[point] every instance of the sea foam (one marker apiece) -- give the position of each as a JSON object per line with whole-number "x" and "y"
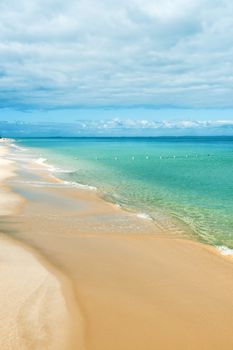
{"x": 225, "y": 250}
{"x": 41, "y": 161}
{"x": 144, "y": 216}
{"x": 81, "y": 186}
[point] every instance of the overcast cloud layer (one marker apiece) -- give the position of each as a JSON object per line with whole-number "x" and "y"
{"x": 116, "y": 53}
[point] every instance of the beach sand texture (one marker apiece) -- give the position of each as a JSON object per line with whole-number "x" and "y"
{"x": 135, "y": 286}
{"x": 34, "y": 313}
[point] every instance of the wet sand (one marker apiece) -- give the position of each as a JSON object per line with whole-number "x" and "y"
{"x": 135, "y": 286}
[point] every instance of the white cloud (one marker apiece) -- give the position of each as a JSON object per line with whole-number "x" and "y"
{"x": 119, "y": 127}
{"x": 139, "y": 124}
{"x": 135, "y": 52}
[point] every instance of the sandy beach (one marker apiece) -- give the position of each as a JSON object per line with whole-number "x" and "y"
{"x": 34, "y": 311}
{"x": 79, "y": 273}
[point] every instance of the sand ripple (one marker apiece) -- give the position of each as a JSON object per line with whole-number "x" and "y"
{"x": 34, "y": 313}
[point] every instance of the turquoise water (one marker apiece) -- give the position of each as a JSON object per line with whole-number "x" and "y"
{"x": 189, "y": 180}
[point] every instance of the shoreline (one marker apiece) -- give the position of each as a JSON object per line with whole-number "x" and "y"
{"x": 135, "y": 289}
{"x": 222, "y": 250}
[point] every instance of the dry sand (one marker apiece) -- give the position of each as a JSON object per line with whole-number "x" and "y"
{"x": 137, "y": 287}
{"x": 9, "y": 201}
{"x": 34, "y": 312}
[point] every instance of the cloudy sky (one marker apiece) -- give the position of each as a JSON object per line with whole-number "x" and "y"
{"x": 125, "y": 64}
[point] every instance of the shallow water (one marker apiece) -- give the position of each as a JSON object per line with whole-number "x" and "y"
{"x": 186, "y": 181}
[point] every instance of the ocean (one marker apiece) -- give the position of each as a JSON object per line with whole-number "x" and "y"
{"x": 183, "y": 183}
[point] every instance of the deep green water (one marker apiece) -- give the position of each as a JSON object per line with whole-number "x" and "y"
{"x": 187, "y": 179}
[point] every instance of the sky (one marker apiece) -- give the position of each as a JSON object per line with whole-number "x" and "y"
{"x": 116, "y": 67}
